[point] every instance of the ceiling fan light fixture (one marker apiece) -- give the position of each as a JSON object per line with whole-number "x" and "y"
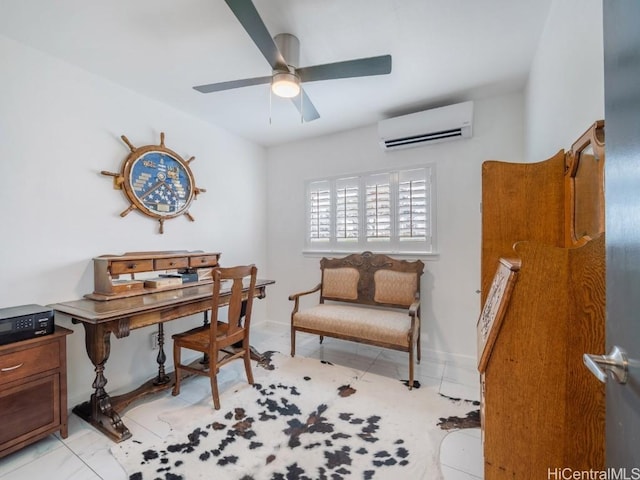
{"x": 285, "y": 84}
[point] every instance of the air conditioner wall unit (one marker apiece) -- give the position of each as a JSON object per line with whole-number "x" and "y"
{"x": 430, "y": 126}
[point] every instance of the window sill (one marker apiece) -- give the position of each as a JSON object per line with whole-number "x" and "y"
{"x": 431, "y": 256}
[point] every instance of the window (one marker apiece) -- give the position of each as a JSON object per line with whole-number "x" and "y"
{"x": 383, "y": 211}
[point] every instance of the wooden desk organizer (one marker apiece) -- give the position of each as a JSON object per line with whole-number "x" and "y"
{"x": 107, "y": 271}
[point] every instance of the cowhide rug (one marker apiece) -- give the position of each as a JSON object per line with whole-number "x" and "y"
{"x": 303, "y": 419}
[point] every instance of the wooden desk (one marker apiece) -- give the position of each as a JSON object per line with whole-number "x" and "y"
{"x": 119, "y": 316}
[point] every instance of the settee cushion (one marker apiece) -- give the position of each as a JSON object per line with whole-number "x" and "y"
{"x": 393, "y": 287}
{"x": 340, "y": 283}
{"x": 371, "y": 324}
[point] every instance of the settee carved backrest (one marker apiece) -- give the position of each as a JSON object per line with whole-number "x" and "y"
{"x": 371, "y": 279}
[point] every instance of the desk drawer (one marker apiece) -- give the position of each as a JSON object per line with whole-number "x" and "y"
{"x": 23, "y": 363}
{"x": 171, "y": 263}
{"x": 131, "y": 266}
{"x": 203, "y": 261}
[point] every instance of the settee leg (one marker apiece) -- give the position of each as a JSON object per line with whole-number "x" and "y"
{"x": 293, "y": 342}
{"x": 411, "y": 368}
{"x": 321, "y": 338}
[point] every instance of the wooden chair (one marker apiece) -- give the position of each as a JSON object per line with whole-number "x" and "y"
{"x": 218, "y": 340}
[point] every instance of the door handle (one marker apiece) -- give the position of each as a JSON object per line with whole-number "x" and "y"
{"x": 615, "y": 364}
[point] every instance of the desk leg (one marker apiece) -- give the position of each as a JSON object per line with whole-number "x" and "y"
{"x": 98, "y": 410}
{"x": 162, "y": 378}
{"x": 205, "y": 357}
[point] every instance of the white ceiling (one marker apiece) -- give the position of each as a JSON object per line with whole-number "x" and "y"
{"x": 444, "y": 51}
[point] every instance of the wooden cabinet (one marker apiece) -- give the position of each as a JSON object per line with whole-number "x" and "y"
{"x": 543, "y": 281}
{"x": 33, "y": 390}
{"x": 118, "y": 276}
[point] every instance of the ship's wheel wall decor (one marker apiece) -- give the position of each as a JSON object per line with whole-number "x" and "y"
{"x": 157, "y": 182}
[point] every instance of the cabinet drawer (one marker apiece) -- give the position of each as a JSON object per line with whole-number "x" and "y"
{"x": 203, "y": 261}
{"x": 171, "y": 263}
{"x": 131, "y": 266}
{"x": 24, "y": 363}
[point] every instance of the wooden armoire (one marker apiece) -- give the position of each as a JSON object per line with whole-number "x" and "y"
{"x": 543, "y": 297}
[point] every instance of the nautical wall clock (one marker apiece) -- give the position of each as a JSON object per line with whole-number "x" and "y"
{"x": 157, "y": 182}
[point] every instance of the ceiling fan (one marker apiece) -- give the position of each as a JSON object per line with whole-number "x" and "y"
{"x": 282, "y": 53}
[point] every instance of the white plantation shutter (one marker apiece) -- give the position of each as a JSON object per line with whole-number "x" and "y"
{"x": 319, "y": 198}
{"x": 378, "y": 207}
{"x": 414, "y": 215}
{"x": 347, "y": 210}
{"x": 388, "y": 211}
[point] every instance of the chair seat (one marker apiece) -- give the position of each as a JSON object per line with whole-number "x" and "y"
{"x": 198, "y": 338}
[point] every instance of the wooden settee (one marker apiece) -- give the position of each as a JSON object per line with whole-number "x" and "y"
{"x": 367, "y": 298}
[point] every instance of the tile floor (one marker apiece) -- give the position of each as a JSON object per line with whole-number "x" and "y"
{"x": 84, "y": 455}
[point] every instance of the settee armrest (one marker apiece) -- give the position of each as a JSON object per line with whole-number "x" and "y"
{"x": 296, "y": 298}
{"x": 414, "y": 308}
{"x": 414, "y": 314}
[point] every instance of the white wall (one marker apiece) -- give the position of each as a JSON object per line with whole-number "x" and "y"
{"x": 450, "y": 302}
{"x": 59, "y": 127}
{"x": 565, "y": 92}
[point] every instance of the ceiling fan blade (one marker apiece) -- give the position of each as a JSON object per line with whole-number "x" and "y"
{"x": 305, "y": 107}
{"x": 247, "y": 82}
{"x": 361, "y": 67}
{"x": 249, "y": 18}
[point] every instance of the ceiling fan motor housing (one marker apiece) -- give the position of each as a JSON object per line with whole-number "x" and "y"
{"x": 289, "y": 47}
